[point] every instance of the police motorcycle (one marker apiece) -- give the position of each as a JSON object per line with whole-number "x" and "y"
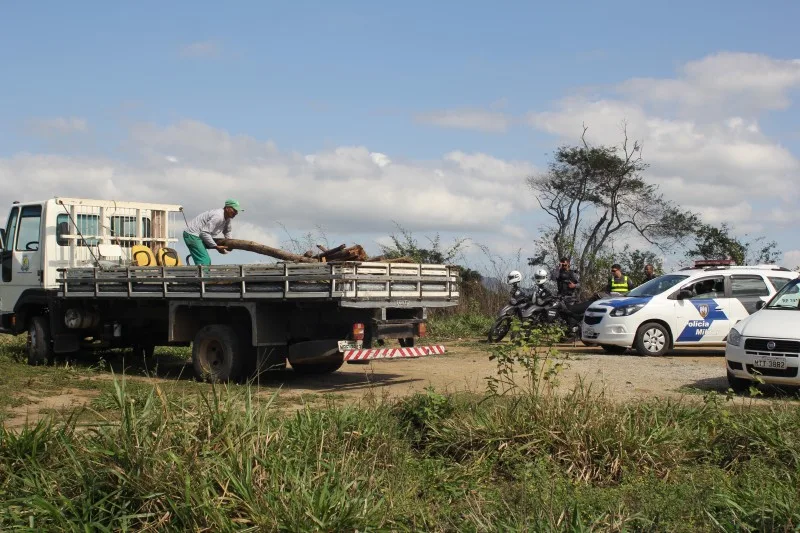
{"x": 547, "y": 307}
{"x": 550, "y": 308}
{"x": 517, "y": 306}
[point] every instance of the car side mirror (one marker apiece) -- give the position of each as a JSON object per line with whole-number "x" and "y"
{"x": 760, "y": 304}
{"x": 684, "y": 294}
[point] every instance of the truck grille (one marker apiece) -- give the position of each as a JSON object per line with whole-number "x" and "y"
{"x": 780, "y": 346}
{"x": 592, "y": 320}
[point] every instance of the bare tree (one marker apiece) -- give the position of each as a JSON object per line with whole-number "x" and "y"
{"x": 597, "y": 194}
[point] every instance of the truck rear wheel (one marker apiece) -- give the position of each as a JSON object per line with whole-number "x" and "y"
{"x": 216, "y": 353}
{"x": 40, "y": 343}
{"x": 315, "y": 357}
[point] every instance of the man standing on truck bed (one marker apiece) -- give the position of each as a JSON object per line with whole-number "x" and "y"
{"x": 200, "y": 232}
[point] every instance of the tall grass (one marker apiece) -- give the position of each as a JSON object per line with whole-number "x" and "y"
{"x": 520, "y": 459}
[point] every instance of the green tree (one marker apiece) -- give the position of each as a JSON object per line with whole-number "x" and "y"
{"x": 634, "y": 261}
{"x": 717, "y": 242}
{"x": 596, "y": 195}
{"x": 406, "y": 245}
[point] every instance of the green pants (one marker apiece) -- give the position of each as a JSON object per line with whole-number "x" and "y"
{"x": 197, "y": 248}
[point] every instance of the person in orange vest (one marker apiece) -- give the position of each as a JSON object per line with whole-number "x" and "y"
{"x": 619, "y": 282}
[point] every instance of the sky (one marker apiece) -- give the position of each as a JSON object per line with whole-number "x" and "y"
{"x": 349, "y": 120}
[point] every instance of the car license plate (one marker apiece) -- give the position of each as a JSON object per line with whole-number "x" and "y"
{"x": 778, "y": 363}
{"x": 588, "y": 331}
{"x": 350, "y": 345}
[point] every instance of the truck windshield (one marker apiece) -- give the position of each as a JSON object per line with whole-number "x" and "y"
{"x": 788, "y": 297}
{"x": 657, "y": 285}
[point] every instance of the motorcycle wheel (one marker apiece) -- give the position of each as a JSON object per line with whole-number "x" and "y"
{"x": 500, "y": 329}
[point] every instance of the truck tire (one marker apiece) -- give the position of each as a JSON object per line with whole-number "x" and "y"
{"x": 652, "y": 339}
{"x": 316, "y": 369}
{"x": 216, "y": 353}
{"x": 40, "y": 342}
{"x": 315, "y": 357}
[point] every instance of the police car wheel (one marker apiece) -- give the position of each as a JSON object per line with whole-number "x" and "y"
{"x": 652, "y": 339}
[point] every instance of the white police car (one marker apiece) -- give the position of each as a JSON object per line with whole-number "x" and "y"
{"x": 691, "y": 307}
{"x": 766, "y": 345}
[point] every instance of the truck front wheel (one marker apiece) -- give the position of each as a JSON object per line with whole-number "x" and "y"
{"x": 40, "y": 343}
{"x": 216, "y": 353}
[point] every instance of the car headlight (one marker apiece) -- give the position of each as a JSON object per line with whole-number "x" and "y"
{"x": 626, "y": 310}
{"x": 734, "y": 337}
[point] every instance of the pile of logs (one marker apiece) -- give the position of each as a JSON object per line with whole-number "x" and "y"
{"x": 324, "y": 255}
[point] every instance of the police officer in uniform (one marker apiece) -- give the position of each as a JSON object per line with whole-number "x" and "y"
{"x": 619, "y": 283}
{"x": 567, "y": 280}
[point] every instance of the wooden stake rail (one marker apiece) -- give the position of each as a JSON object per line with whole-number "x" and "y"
{"x": 352, "y": 281}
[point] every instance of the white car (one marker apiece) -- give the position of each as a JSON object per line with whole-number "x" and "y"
{"x": 690, "y": 307}
{"x": 766, "y": 345}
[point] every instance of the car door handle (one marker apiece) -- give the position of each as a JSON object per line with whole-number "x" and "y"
{"x": 717, "y": 309}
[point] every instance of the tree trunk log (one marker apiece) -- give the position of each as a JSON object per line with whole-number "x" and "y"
{"x": 263, "y": 249}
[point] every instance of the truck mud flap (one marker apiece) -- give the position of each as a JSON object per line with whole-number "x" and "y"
{"x": 358, "y": 356}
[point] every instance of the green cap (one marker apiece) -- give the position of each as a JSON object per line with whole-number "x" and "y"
{"x": 234, "y": 204}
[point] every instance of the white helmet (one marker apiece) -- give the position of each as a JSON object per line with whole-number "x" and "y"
{"x": 514, "y": 277}
{"x": 540, "y": 276}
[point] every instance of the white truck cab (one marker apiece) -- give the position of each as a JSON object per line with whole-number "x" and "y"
{"x": 690, "y": 307}
{"x": 41, "y": 237}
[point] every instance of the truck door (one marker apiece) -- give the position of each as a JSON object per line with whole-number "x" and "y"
{"x": 8, "y": 245}
{"x": 21, "y": 255}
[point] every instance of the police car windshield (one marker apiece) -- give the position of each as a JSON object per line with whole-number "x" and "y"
{"x": 657, "y": 285}
{"x": 788, "y": 297}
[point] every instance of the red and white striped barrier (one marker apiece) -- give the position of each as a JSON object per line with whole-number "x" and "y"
{"x": 392, "y": 353}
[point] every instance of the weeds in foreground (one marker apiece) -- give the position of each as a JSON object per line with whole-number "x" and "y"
{"x": 518, "y": 458}
{"x": 523, "y": 460}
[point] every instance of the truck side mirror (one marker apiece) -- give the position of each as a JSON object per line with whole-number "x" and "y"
{"x": 2, "y": 239}
{"x": 62, "y": 229}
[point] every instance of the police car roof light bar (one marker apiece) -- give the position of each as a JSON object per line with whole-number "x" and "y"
{"x": 700, "y": 263}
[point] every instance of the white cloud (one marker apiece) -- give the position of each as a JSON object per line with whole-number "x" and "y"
{"x": 467, "y": 119}
{"x": 201, "y": 50}
{"x": 57, "y": 126}
{"x": 791, "y": 259}
{"x": 723, "y": 81}
{"x": 346, "y": 189}
{"x": 707, "y": 150}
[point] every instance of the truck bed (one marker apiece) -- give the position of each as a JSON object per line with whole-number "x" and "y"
{"x": 351, "y": 282}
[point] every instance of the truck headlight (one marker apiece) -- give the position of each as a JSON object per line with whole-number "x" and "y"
{"x": 626, "y": 310}
{"x": 734, "y": 337}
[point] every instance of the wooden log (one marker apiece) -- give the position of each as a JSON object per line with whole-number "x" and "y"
{"x": 263, "y": 249}
{"x": 331, "y": 252}
{"x": 354, "y": 253}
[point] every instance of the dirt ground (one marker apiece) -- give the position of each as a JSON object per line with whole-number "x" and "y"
{"x": 465, "y": 367}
